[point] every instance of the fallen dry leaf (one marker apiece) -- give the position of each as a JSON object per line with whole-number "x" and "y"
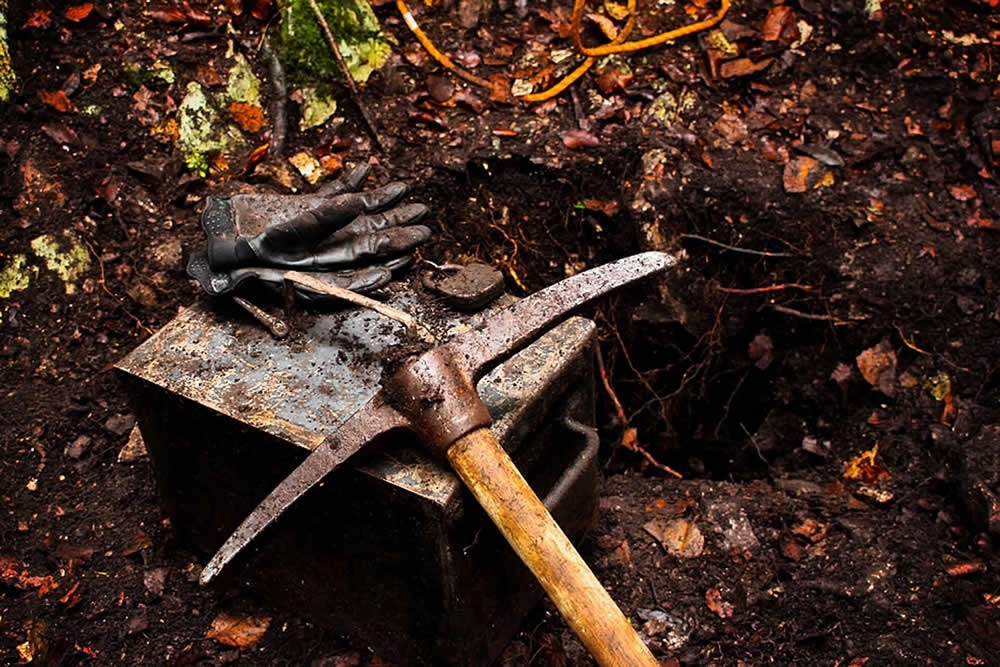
{"x": 261, "y": 9}
{"x": 790, "y": 548}
{"x": 40, "y": 18}
{"x": 579, "y": 139}
{"x": 606, "y": 25}
{"x": 742, "y": 67}
{"x": 79, "y": 12}
{"x": 811, "y": 529}
{"x": 977, "y": 220}
{"x": 250, "y": 117}
{"x": 57, "y": 99}
{"x": 607, "y": 207}
{"x": 965, "y": 569}
{"x": 803, "y": 173}
{"x": 962, "y": 192}
{"x": 864, "y": 467}
{"x": 878, "y": 366}
{"x": 777, "y": 20}
{"x": 679, "y": 537}
{"x": 238, "y": 631}
{"x": 713, "y": 598}
{"x": 15, "y": 574}
{"x": 609, "y": 79}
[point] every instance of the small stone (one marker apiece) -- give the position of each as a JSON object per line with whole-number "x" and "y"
{"x": 138, "y": 623}
{"x": 143, "y": 294}
{"x": 119, "y": 424}
{"x": 732, "y": 523}
{"x": 134, "y": 449}
{"x": 167, "y": 255}
{"x": 76, "y": 448}
{"x": 968, "y": 305}
{"x": 154, "y": 580}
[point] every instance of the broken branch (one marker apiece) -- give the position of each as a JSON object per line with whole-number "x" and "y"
{"x": 355, "y": 94}
{"x": 413, "y": 327}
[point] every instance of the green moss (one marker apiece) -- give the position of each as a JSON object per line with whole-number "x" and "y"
{"x": 243, "y": 85}
{"x": 139, "y": 72}
{"x": 16, "y": 275}
{"x": 7, "y": 77}
{"x": 304, "y": 49}
{"x": 201, "y": 131}
{"x": 317, "y": 107}
{"x": 67, "y": 264}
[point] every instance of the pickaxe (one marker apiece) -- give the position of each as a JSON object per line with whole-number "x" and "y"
{"x": 434, "y": 395}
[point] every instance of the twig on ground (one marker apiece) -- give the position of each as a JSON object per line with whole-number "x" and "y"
{"x": 811, "y": 316}
{"x": 910, "y": 345}
{"x": 761, "y": 290}
{"x": 279, "y": 108}
{"x": 747, "y": 251}
{"x": 355, "y": 93}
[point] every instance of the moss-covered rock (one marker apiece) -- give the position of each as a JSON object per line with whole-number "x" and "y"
{"x": 16, "y": 275}
{"x": 202, "y": 132}
{"x": 67, "y": 259}
{"x": 7, "y": 78}
{"x": 305, "y": 51}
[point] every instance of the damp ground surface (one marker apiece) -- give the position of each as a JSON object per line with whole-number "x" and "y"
{"x": 821, "y": 368}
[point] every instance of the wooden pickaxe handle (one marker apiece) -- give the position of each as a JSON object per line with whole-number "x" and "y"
{"x": 539, "y": 541}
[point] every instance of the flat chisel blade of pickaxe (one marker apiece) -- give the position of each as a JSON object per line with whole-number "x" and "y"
{"x": 371, "y": 421}
{"x": 508, "y": 331}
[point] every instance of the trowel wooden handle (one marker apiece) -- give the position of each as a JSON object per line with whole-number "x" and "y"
{"x": 499, "y": 487}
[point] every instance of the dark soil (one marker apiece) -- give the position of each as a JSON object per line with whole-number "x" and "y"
{"x": 754, "y": 395}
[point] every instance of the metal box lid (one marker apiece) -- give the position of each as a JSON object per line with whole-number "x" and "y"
{"x": 303, "y": 387}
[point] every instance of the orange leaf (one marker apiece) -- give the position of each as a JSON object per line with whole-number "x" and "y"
{"x": 79, "y": 12}
{"x": 261, "y": 9}
{"x": 713, "y": 598}
{"x": 779, "y": 17}
{"x": 57, "y": 99}
{"x": 238, "y": 631}
{"x": 40, "y": 18}
{"x": 967, "y": 568}
{"x": 249, "y": 116}
{"x": 864, "y": 467}
{"x": 962, "y": 192}
{"x": 579, "y": 139}
{"x": 878, "y": 366}
{"x": 799, "y": 173}
{"x": 977, "y": 220}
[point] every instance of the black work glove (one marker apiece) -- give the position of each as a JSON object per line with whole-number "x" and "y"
{"x": 353, "y": 239}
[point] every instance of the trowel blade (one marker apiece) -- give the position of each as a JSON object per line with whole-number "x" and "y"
{"x": 371, "y": 421}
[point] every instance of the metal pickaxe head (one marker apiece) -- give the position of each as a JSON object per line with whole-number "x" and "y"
{"x": 434, "y": 394}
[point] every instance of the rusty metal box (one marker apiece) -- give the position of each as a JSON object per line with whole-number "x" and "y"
{"x": 390, "y": 549}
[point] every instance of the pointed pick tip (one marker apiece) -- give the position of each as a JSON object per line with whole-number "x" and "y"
{"x": 656, "y": 261}
{"x": 211, "y": 570}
